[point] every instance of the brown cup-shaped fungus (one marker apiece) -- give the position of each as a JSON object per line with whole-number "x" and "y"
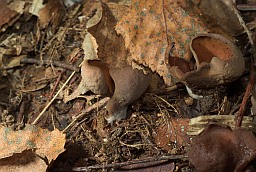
{"x": 220, "y": 149}
{"x": 218, "y": 61}
{"x": 130, "y": 84}
{"x": 179, "y": 67}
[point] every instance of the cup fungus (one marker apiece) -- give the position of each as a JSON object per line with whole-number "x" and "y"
{"x": 130, "y": 84}
{"x": 218, "y": 61}
{"x": 218, "y": 148}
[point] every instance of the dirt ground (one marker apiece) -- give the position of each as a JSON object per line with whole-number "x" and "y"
{"x": 39, "y": 56}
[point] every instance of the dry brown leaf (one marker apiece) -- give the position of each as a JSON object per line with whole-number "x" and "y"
{"x": 97, "y": 16}
{"x": 95, "y": 75}
{"x": 52, "y": 12}
{"x": 111, "y": 46}
{"x": 18, "y": 6}
{"x": 119, "y": 9}
{"x": 36, "y": 6}
{"x": 153, "y": 28}
{"x": 173, "y": 132}
{"x": 10, "y": 13}
{"x": 46, "y": 143}
{"x": 14, "y": 62}
{"x": 26, "y": 161}
{"x": 221, "y": 12}
{"x": 90, "y": 47}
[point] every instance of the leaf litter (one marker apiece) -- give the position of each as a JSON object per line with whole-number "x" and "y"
{"x": 186, "y": 51}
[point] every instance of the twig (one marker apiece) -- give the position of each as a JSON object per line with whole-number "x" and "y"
{"x": 46, "y": 107}
{"x": 116, "y": 165}
{"x": 246, "y": 7}
{"x": 48, "y": 62}
{"x": 20, "y": 115}
{"x": 252, "y": 74}
{"x": 56, "y": 85}
{"x": 99, "y": 104}
{"x": 247, "y": 30}
{"x": 169, "y": 105}
{"x": 247, "y": 94}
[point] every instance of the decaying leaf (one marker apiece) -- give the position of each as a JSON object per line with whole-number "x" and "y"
{"x": 111, "y": 48}
{"x": 14, "y": 62}
{"x": 26, "y": 161}
{"x": 90, "y": 47}
{"x": 36, "y": 6}
{"x": 52, "y": 13}
{"x": 218, "y": 148}
{"x": 89, "y": 7}
{"x": 18, "y": 6}
{"x": 95, "y": 74}
{"x": 10, "y": 13}
{"x": 46, "y": 144}
{"x": 154, "y": 29}
{"x": 221, "y": 13}
{"x": 175, "y": 132}
{"x": 119, "y": 9}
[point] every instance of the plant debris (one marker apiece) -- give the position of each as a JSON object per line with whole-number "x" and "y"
{"x": 127, "y": 85}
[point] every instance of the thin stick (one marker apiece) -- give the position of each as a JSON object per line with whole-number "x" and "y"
{"x": 247, "y": 30}
{"x": 247, "y": 94}
{"x": 55, "y": 86}
{"x": 48, "y": 62}
{"x": 99, "y": 104}
{"x": 46, "y": 107}
{"x": 246, "y": 7}
{"x": 116, "y": 165}
{"x": 169, "y": 105}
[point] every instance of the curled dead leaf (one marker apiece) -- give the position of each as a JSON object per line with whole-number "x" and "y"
{"x": 111, "y": 48}
{"x": 95, "y": 78}
{"x": 154, "y": 29}
{"x": 90, "y": 6}
{"x": 95, "y": 74}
